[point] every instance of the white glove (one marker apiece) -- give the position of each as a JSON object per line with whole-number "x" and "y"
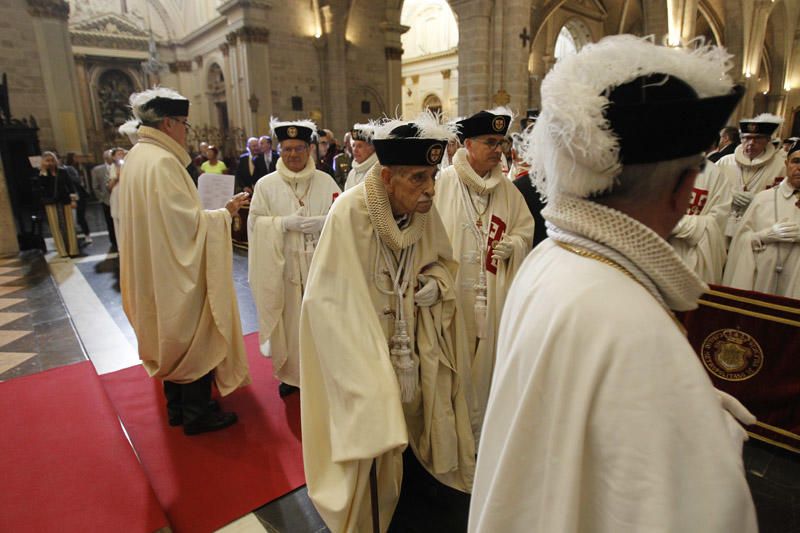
{"x": 312, "y": 224}
{"x": 502, "y": 249}
{"x": 735, "y": 415}
{"x": 428, "y": 294}
{"x": 783, "y": 231}
{"x": 293, "y": 222}
{"x": 741, "y": 199}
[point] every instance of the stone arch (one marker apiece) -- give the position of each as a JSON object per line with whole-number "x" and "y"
{"x": 433, "y": 103}
{"x": 217, "y": 99}
{"x": 572, "y": 36}
{"x": 708, "y": 18}
{"x": 110, "y": 88}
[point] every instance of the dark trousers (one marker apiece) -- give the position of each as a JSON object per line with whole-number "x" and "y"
{"x": 188, "y": 400}
{"x": 425, "y": 505}
{"x": 110, "y": 225}
{"x": 80, "y": 212}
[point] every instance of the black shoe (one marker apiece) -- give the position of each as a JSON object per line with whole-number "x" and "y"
{"x": 177, "y": 419}
{"x": 285, "y": 390}
{"x": 210, "y": 422}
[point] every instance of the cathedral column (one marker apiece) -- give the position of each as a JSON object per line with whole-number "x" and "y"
{"x": 474, "y": 54}
{"x": 681, "y": 20}
{"x": 248, "y": 76}
{"x": 510, "y": 57}
{"x": 393, "y": 49}
{"x": 656, "y": 19}
{"x": 755, "y": 28}
{"x": 334, "y": 110}
{"x": 49, "y": 18}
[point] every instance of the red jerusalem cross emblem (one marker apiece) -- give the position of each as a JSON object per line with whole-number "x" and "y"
{"x": 496, "y": 230}
{"x": 697, "y": 201}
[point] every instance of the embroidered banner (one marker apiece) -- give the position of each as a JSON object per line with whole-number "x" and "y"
{"x": 496, "y": 230}
{"x": 749, "y": 343}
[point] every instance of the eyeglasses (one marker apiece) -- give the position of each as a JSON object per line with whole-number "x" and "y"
{"x": 294, "y": 149}
{"x": 504, "y": 144}
{"x": 184, "y": 122}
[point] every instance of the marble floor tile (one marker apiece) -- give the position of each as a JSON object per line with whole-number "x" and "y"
{"x": 9, "y": 360}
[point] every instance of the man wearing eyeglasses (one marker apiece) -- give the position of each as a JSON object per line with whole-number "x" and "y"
{"x": 176, "y": 268}
{"x": 283, "y": 227}
{"x": 490, "y": 229}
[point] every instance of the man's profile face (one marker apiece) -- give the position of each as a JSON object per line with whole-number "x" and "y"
{"x": 485, "y": 150}
{"x": 264, "y": 145}
{"x": 793, "y": 170}
{"x": 362, "y": 150}
{"x": 754, "y": 145}
{"x": 252, "y": 146}
{"x": 324, "y": 145}
{"x": 294, "y": 154}
{"x": 410, "y": 188}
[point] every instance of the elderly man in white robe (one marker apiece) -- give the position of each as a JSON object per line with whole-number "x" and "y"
{"x": 491, "y": 230}
{"x": 176, "y": 268}
{"x": 601, "y": 417}
{"x": 765, "y": 253}
{"x": 287, "y": 213}
{"x": 382, "y": 348}
{"x": 699, "y": 236}
{"x": 364, "y": 156}
{"x": 754, "y": 166}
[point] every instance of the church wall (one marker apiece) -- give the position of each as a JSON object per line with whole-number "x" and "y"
{"x": 19, "y": 59}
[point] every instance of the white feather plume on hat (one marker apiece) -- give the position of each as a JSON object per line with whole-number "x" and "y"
{"x": 767, "y": 117}
{"x": 571, "y": 148}
{"x": 428, "y": 123}
{"x": 275, "y": 122}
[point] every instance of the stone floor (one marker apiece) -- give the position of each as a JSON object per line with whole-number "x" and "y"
{"x": 53, "y": 312}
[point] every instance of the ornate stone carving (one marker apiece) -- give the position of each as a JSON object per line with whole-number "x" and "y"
{"x": 446, "y": 74}
{"x": 180, "y": 66}
{"x": 249, "y": 34}
{"x": 224, "y": 48}
{"x": 199, "y": 60}
{"x": 109, "y": 31}
{"x": 57, "y": 9}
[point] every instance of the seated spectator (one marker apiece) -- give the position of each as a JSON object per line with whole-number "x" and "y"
{"x": 214, "y": 165}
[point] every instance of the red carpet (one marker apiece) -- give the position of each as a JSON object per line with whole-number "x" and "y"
{"x": 206, "y": 481}
{"x": 65, "y": 460}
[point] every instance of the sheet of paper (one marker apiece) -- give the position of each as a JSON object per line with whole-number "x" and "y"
{"x": 36, "y": 161}
{"x": 215, "y": 190}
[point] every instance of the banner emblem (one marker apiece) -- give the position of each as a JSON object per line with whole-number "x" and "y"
{"x": 732, "y": 355}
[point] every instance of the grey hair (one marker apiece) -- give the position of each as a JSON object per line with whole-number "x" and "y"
{"x": 646, "y": 181}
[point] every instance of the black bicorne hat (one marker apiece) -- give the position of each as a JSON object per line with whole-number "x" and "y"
{"x": 405, "y": 147}
{"x": 168, "y": 107}
{"x": 658, "y": 117}
{"x": 483, "y": 123}
{"x": 293, "y": 131}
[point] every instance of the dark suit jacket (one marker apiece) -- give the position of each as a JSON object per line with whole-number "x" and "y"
{"x": 273, "y": 162}
{"x": 535, "y": 206}
{"x": 243, "y": 176}
{"x": 716, "y": 156}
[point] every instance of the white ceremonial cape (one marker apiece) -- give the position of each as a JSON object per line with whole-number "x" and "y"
{"x": 753, "y": 267}
{"x": 351, "y": 410}
{"x": 359, "y": 171}
{"x": 176, "y": 269}
{"x": 754, "y": 176}
{"x": 699, "y": 237}
{"x": 278, "y": 261}
{"x": 507, "y": 214}
{"x": 601, "y": 418}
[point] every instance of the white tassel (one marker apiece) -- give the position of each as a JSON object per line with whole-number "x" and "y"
{"x": 404, "y": 366}
{"x": 481, "y": 307}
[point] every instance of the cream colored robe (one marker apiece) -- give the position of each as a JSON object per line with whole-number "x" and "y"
{"x": 278, "y": 260}
{"x": 699, "y": 237}
{"x": 176, "y": 270}
{"x": 507, "y": 215}
{"x": 601, "y": 417}
{"x": 757, "y": 175}
{"x": 350, "y": 398}
{"x": 359, "y": 171}
{"x": 753, "y": 267}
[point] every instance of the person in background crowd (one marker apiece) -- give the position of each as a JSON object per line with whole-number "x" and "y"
{"x": 100, "y": 175}
{"x": 522, "y": 181}
{"x": 364, "y": 156}
{"x": 251, "y": 167}
{"x": 59, "y": 198}
{"x": 270, "y": 156}
{"x": 83, "y": 196}
{"x": 728, "y": 141}
{"x": 213, "y": 165}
